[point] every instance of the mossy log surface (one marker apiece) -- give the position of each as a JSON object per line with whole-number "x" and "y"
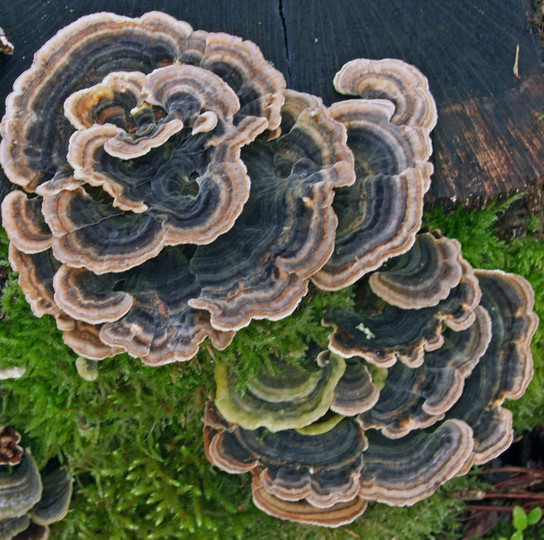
{"x": 482, "y": 59}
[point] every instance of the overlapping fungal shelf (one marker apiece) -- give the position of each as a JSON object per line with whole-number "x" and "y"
{"x": 434, "y": 410}
{"x": 294, "y": 397}
{"x": 169, "y": 189}
{"x": 29, "y": 500}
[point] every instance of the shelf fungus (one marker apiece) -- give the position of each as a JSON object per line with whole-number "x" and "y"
{"x": 381, "y": 332}
{"x": 301, "y": 476}
{"x": 131, "y": 164}
{"x": 286, "y": 231}
{"x": 169, "y": 189}
{"x": 29, "y": 500}
{"x": 424, "y": 419}
{"x": 289, "y": 397}
{"x": 506, "y": 368}
{"x": 35, "y": 131}
{"x": 418, "y": 398}
{"x": 388, "y": 132}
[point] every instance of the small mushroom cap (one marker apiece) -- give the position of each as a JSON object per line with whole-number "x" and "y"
{"x": 289, "y": 398}
{"x": 355, "y": 392}
{"x": 87, "y": 369}
{"x": 258, "y": 85}
{"x": 20, "y": 488}
{"x": 89, "y": 297}
{"x": 10, "y": 451}
{"x": 378, "y": 220}
{"x": 55, "y": 500}
{"x": 394, "y": 80}
{"x": 286, "y": 231}
{"x": 97, "y": 236}
{"x": 404, "y": 471}
{"x": 423, "y": 276}
{"x": 339, "y": 514}
{"x": 506, "y": 368}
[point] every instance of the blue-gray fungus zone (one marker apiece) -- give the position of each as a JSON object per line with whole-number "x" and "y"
{"x": 169, "y": 189}
{"x": 30, "y": 500}
{"x": 422, "y": 385}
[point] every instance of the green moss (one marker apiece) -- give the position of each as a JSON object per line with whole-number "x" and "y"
{"x": 289, "y": 338}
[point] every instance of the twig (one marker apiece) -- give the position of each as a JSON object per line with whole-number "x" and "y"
{"x": 516, "y": 66}
{"x": 519, "y": 495}
{"x": 490, "y": 508}
{"x": 525, "y": 470}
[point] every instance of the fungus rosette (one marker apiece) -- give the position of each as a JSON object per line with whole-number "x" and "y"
{"x": 286, "y": 232}
{"x": 177, "y": 180}
{"x": 432, "y": 348}
{"x": 150, "y": 215}
{"x": 30, "y": 500}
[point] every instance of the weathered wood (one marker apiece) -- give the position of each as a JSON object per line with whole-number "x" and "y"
{"x": 489, "y": 139}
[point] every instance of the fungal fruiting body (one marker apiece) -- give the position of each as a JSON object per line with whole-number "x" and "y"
{"x": 178, "y": 193}
{"x": 455, "y": 349}
{"x": 175, "y": 196}
{"x": 29, "y": 500}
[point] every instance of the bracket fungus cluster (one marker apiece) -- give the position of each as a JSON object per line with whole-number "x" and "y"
{"x": 174, "y": 195}
{"x": 29, "y": 500}
{"x": 446, "y": 344}
{"x": 169, "y": 189}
